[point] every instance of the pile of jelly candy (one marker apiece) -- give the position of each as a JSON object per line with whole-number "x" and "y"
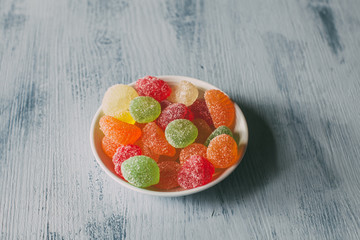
{"x": 167, "y": 136}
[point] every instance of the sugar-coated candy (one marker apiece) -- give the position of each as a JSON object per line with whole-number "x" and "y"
{"x": 200, "y": 110}
{"x": 119, "y": 132}
{"x": 184, "y": 92}
{"x": 220, "y": 130}
{"x": 195, "y": 172}
{"x": 153, "y": 87}
{"x": 221, "y": 108}
{"x": 144, "y": 109}
{"x": 146, "y": 151}
{"x": 154, "y": 138}
{"x": 140, "y": 171}
{"x": 181, "y": 133}
{"x": 173, "y": 112}
{"x": 192, "y": 149}
{"x": 122, "y": 153}
{"x": 222, "y": 151}
{"x": 109, "y": 147}
{"x": 117, "y": 99}
{"x": 164, "y": 158}
{"x": 204, "y": 130}
{"x": 165, "y": 103}
{"x": 168, "y": 175}
{"x": 126, "y": 117}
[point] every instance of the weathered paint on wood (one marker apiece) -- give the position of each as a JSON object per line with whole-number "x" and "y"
{"x": 292, "y": 66}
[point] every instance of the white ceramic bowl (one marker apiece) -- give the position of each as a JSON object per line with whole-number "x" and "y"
{"x": 240, "y": 129}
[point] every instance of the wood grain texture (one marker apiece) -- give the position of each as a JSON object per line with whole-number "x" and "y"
{"x": 292, "y": 66}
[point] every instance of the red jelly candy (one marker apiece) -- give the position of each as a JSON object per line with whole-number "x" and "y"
{"x": 153, "y": 87}
{"x": 195, "y": 172}
{"x": 164, "y": 104}
{"x": 168, "y": 175}
{"x": 109, "y": 147}
{"x": 200, "y": 110}
{"x": 123, "y": 153}
{"x": 173, "y": 112}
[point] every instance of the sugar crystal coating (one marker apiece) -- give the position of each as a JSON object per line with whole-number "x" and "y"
{"x": 154, "y": 138}
{"x": 140, "y": 171}
{"x": 173, "y": 112}
{"x": 119, "y": 132}
{"x": 222, "y": 151}
{"x": 109, "y": 147}
{"x": 203, "y": 129}
{"x": 122, "y": 153}
{"x": 184, "y": 92}
{"x": 164, "y": 104}
{"x": 144, "y": 109}
{"x": 153, "y": 87}
{"x": 200, "y": 110}
{"x": 181, "y": 133}
{"x": 168, "y": 175}
{"x": 195, "y": 172}
{"x": 220, "y": 130}
{"x": 146, "y": 151}
{"x": 192, "y": 149}
{"x": 117, "y": 99}
{"x": 221, "y": 108}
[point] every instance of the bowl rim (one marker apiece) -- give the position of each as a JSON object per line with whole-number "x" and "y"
{"x": 202, "y": 85}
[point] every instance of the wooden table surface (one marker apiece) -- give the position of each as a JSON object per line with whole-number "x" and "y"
{"x": 292, "y": 66}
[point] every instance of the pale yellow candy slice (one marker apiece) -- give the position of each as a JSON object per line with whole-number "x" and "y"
{"x": 117, "y": 99}
{"x": 125, "y": 117}
{"x": 185, "y": 93}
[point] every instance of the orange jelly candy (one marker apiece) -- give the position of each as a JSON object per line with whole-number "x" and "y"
{"x": 154, "y": 138}
{"x": 221, "y": 108}
{"x": 146, "y": 150}
{"x": 109, "y": 147}
{"x": 164, "y": 158}
{"x": 222, "y": 151}
{"x": 192, "y": 149}
{"x": 168, "y": 175}
{"x": 119, "y": 132}
{"x": 204, "y": 130}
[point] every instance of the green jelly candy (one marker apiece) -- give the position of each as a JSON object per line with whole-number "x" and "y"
{"x": 144, "y": 109}
{"x": 141, "y": 171}
{"x": 181, "y": 133}
{"x": 220, "y": 130}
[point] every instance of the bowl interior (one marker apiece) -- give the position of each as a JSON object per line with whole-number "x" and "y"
{"x": 240, "y": 131}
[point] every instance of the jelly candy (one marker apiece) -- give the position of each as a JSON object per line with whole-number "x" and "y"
{"x": 185, "y": 92}
{"x": 154, "y": 138}
{"x": 173, "y": 112}
{"x": 153, "y": 87}
{"x": 181, "y": 133}
{"x": 200, "y": 110}
{"x": 140, "y": 171}
{"x": 122, "y": 153}
{"x": 192, "y": 149}
{"x": 221, "y": 108}
{"x": 109, "y": 147}
{"x": 125, "y": 117}
{"x": 220, "y": 130}
{"x": 119, "y": 132}
{"x": 195, "y": 172}
{"x": 203, "y": 129}
{"x": 165, "y": 103}
{"x": 117, "y": 99}
{"x": 146, "y": 151}
{"x": 222, "y": 151}
{"x": 164, "y": 158}
{"x": 168, "y": 175}
{"x": 144, "y": 109}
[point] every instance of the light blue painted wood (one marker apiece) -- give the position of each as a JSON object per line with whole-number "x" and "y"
{"x": 292, "y": 66}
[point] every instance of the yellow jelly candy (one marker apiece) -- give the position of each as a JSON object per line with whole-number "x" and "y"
{"x": 117, "y": 99}
{"x": 125, "y": 117}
